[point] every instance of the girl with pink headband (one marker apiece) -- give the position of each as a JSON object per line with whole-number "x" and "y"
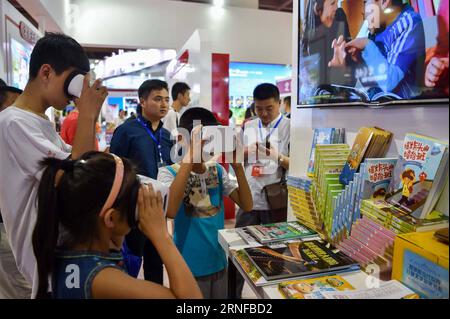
{"x": 85, "y": 208}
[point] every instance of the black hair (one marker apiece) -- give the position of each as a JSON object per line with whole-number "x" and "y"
{"x": 60, "y": 51}
{"x": 199, "y": 114}
{"x": 148, "y": 86}
{"x": 74, "y": 202}
{"x": 287, "y": 100}
{"x": 2, "y": 98}
{"x": 266, "y": 91}
{"x": 179, "y": 88}
{"x": 4, "y": 89}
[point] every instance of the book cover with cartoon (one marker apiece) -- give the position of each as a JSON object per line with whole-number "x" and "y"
{"x": 420, "y": 165}
{"x": 362, "y": 142}
{"x": 377, "y": 175}
{"x": 313, "y": 288}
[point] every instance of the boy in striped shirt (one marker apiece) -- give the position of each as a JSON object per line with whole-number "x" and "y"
{"x": 394, "y": 52}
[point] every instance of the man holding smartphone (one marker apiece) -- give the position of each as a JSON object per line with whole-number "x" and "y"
{"x": 266, "y": 151}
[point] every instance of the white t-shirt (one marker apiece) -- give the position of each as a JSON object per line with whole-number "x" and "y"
{"x": 279, "y": 139}
{"x": 25, "y": 139}
{"x": 171, "y": 119}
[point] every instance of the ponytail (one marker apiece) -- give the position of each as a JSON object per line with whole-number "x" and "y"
{"x": 45, "y": 234}
{"x": 72, "y": 194}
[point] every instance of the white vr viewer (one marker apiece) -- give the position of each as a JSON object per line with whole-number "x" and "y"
{"x": 219, "y": 139}
{"x": 157, "y": 186}
{"x": 74, "y": 84}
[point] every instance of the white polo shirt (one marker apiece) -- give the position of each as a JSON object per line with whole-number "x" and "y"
{"x": 172, "y": 118}
{"x": 25, "y": 139}
{"x": 279, "y": 139}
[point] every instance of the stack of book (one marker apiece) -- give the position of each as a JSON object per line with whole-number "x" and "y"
{"x": 293, "y": 260}
{"x": 371, "y": 142}
{"x": 370, "y": 243}
{"x": 324, "y": 136}
{"x": 301, "y": 202}
{"x": 273, "y": 233}
{"x": 329, "y": 162}
{"x": 419, "y": 176}
{"x": 371, "y": 182}
{"x": 287, "y": 250}
{"x": 399, "y": 221}
{"x": 418, "y": 179}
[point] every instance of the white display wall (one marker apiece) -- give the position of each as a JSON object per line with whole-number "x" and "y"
{"x": 196, "y": 71}
{"x": 431, "y": 120}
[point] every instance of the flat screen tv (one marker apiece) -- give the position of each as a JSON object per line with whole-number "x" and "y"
{"x": 373, "y": 52}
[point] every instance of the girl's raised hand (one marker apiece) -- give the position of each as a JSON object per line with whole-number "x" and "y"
{"x": 152, "y": 222}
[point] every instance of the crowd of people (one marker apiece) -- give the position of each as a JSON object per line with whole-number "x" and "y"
{"x": 79, "y": 223}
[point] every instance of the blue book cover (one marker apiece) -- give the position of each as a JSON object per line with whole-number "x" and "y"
{"x": 421, "y": 163}
{"x": 377, "y": 175}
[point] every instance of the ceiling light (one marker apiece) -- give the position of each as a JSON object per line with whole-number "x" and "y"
{"x": 219, "y": 3}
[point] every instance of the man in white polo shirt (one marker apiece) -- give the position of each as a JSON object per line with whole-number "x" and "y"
{"x": 181, "y": 96}
{"x": 267, "y": 157}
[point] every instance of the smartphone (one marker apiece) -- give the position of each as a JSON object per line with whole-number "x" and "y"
{"x": 267, "y": 147}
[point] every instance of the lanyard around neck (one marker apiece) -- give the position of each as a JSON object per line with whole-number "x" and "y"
{"x": 152, "y": 136}
{"x": 271, "y": 131}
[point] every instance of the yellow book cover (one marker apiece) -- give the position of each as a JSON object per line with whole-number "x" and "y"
{"x": 313, "y": 288}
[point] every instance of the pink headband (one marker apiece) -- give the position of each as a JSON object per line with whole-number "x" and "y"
{"x": 118, "y": 178}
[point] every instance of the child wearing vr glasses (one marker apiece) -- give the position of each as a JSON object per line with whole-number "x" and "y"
{"x": 58, "y": 65}
{"x": 93, "y": 199}
{"x": 197, "y": 190}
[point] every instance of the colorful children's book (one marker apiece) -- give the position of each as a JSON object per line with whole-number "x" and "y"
{"x": 324, "y": 136}
{"x": 399, "y": 220}
{"x": 298, "y": 259}
{"x": 248, "y": 267}
{"x": 271, "y": 233}
{"x": 321, "y": 136}
{"x": 313, "y": 288}
{"x": 369, "y": 143}
{"x": 419, "y": 175}
{"x": 359, "y": 148}
{"x": 377, "y": 175}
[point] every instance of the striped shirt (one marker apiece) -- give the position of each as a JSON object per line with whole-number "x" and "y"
{"x": 396, "y": 55}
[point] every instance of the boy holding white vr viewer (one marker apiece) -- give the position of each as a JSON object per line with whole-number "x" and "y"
{"x": 197, "y": 189}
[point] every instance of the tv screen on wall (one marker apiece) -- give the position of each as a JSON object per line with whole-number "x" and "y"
{"x": 372, "y": 52}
